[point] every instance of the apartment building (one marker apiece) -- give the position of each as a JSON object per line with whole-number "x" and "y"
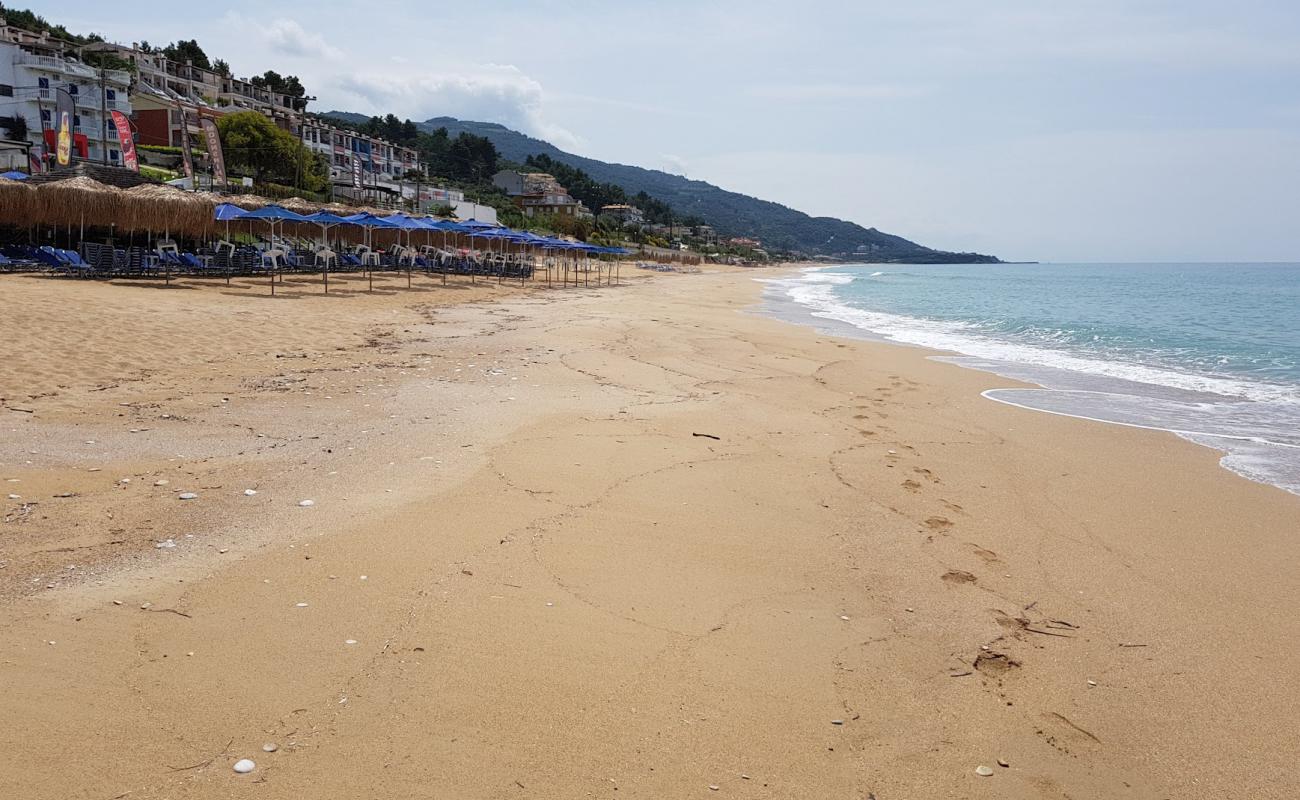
{"x": 162, "y": 87}
{"x": 33, "y": 67}
{"x": 362, "y": 165}
{"x": 539, "y": 194}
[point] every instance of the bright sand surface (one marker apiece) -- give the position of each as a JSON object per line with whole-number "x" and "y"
{"x": 525, "y": 573}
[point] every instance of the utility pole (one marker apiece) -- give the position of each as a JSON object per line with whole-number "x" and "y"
{"x": 103, "y": 116}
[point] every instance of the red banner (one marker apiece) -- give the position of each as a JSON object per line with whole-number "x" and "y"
{"x": 126, "y": 140}
{"x": 214, "y": 151}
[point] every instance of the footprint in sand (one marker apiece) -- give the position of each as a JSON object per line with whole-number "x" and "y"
{"x": 938, "y": 523}
{"x": 951, "y": 506}
{"x": 988, "y": 556}
{"x": 957, "y": 576}
{"x": 911, "y": 485}
{"x": 925, "y": 473}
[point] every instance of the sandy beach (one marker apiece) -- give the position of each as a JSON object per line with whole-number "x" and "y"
{"x": 635, "y": 541}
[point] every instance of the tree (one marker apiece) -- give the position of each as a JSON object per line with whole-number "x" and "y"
{"x": 221, "y": 68}
{"x": 409, "y": 132}
{"x": 391, "y": 128}
{"x": 15, "y": 127}
{"x": 184, "y": 50}
{"x": 253, "y": 144}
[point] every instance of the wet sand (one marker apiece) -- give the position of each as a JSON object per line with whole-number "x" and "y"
{"x": 531, "y": 570}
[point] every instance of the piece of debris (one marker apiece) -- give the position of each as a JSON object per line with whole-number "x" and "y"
{"x": 1003, "y": 763}
{"x": 708, "y": 436}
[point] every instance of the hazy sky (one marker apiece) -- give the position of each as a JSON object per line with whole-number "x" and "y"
{"x": 1047, "y": 130}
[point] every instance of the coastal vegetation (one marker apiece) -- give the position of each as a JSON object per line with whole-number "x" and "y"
{"x": 255, "y": 146}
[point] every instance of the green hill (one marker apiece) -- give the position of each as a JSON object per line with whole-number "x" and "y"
{"x": 730, "y": 213}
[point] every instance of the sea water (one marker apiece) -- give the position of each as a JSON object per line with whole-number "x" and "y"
{"x": 1210, "y": 352}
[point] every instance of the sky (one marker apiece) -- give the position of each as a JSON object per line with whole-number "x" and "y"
{"x": 1093, "y": 130}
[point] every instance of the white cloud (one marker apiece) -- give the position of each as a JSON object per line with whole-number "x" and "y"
{"x": 489, "y": 92}
{"x": 675, "y": 165}
{"x": 287, "y": 37}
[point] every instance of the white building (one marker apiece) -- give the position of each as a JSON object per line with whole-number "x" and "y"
{"x": 33, "y": 67}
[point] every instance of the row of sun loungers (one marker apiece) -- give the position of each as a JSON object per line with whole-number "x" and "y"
{"x": 227, "y": 260}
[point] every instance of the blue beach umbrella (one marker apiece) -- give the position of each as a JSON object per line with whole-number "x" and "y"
{"x": 326, "y": 220}
{"x": 14, "y": 175}
{"x": 271, "y": 215}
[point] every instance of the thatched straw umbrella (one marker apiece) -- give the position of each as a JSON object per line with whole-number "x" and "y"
{"x": 250, "y": 202}
{"x": 79, "y": 201}
{"x": 165, "y": 208}
{"x": 17, "y": 203}
{"x": 300, "y": 206}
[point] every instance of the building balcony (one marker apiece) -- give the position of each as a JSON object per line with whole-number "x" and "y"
{"x": 55, "y": 64}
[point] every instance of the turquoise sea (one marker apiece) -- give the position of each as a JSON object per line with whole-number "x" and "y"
{"x": 1208, "y": 351}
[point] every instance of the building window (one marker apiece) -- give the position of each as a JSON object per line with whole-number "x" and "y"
{"x": 110, "y": 95}
{"x": 6, "y": 90}
{"x": 113, "y": 155}
{"x": 76, "y": 120}
{"x": 73, "y": 89}
{"x": 112, "y": 126}
{"x": 45, "y": 116}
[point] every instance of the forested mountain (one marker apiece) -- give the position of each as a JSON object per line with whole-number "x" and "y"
{"x": 730, "y": 213}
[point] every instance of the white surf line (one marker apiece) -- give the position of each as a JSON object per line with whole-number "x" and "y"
{"x": 988, "y": 394}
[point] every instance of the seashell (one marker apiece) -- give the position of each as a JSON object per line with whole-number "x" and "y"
{"x": 250, "y": 492}
{"x": 187, "y": 496}
{"x": 983, "y": 771}
{"x": 306, "y": 503}
{"x": 270, "y": 747}
{"x": 244, "y": 765}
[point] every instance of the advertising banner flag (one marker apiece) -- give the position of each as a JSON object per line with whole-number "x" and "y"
{"x": 356, "y": 171}
{"x": 65, "y": 113}
{"x": 126, "y": 140}
{"x": 214, "y": 150}
{"x": 185, "y": 140}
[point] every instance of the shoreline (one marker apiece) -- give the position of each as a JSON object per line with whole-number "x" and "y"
{"x": 1237, "y": 450}
{"x": 571, "y": 589}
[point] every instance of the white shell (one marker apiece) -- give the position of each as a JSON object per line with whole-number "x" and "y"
{"x": 306, "y": 503}
{"x": 244, "y": 765}
{"x": 983, "y": 771}
{"x": 270, "y": 747}
{"x": 250, "y": 492}
{"x": 187, "y": 496}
